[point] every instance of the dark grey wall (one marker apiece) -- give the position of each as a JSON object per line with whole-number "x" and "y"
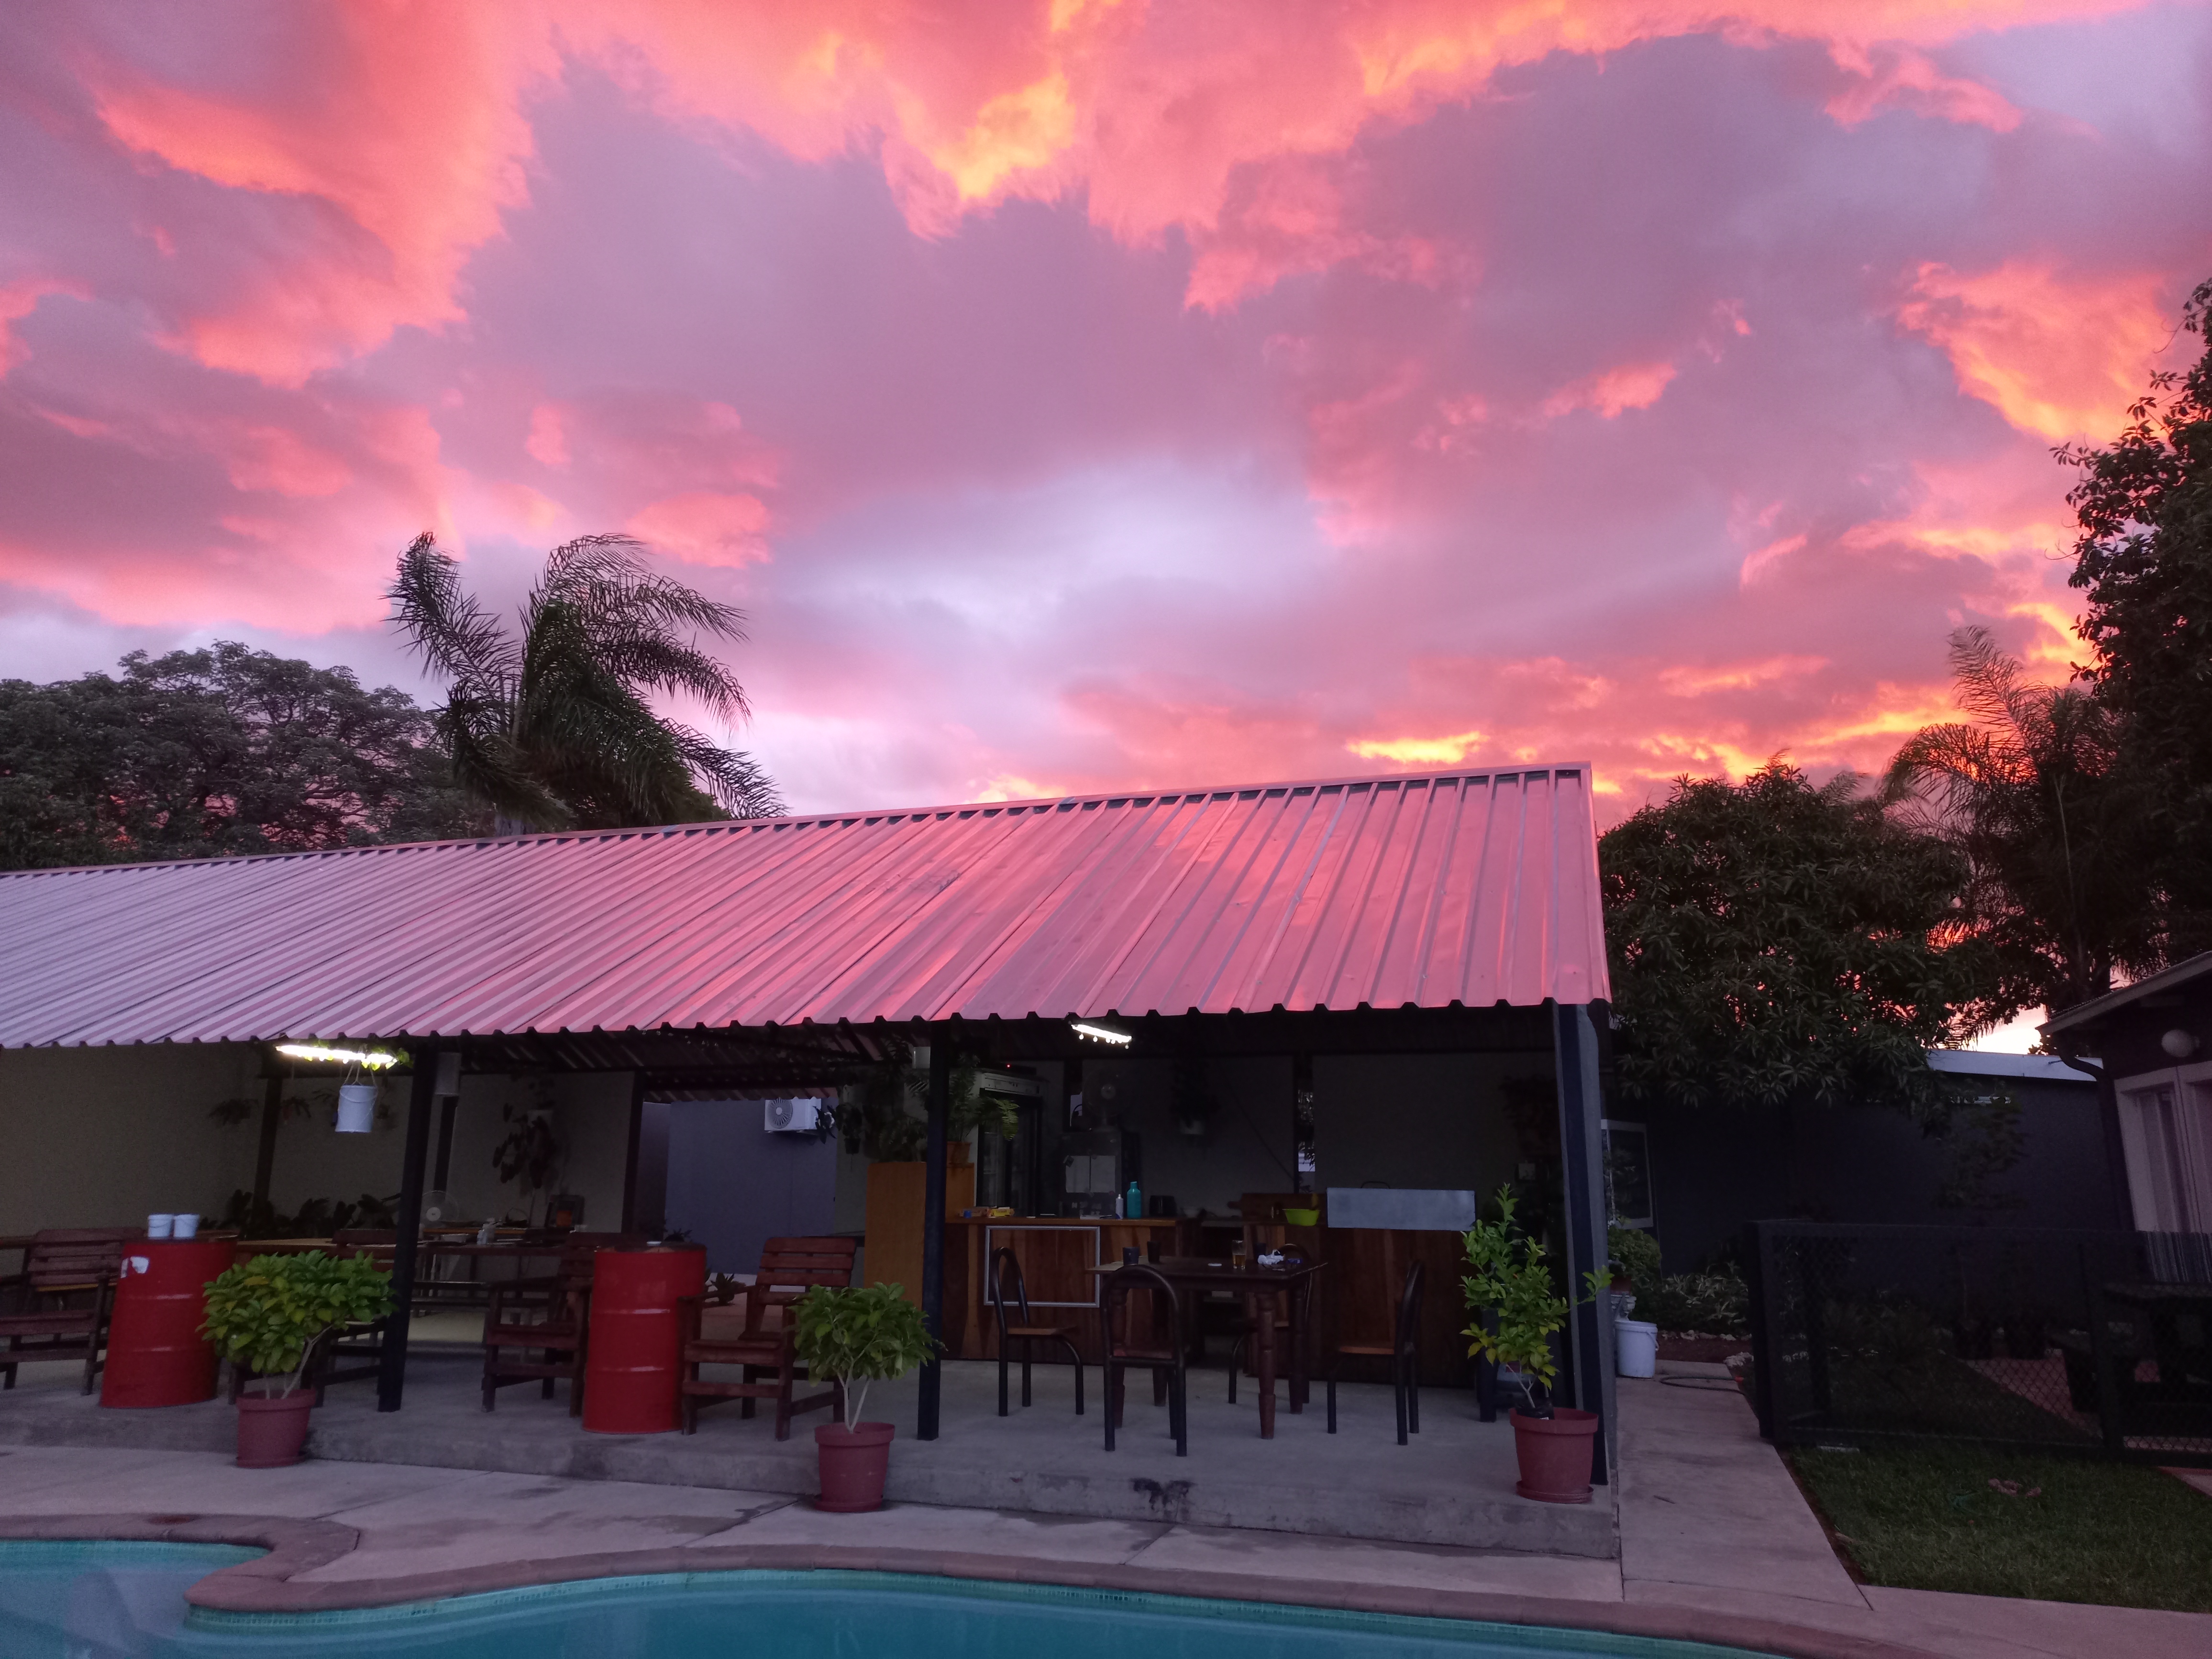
{"x": 1712, "y": 1171}
{"x": 732, "y": 1186}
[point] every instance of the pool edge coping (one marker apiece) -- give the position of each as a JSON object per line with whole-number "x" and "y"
{"x": 294, "y": 1545}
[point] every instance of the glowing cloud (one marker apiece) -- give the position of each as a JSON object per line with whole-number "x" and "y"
{"x": 2058, "y": 356}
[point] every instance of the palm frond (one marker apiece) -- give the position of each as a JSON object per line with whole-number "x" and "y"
{"x": 442, "y": 621}
{"x": 734, "y": 778}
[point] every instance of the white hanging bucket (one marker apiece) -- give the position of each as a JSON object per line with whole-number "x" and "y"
{"x": 356, "y": 1107}
{"x": 1635, "y": 1347}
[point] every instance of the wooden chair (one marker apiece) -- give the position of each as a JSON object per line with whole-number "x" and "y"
{"x": 1161, "y": 1355}
{"x": 767, "y": 1353}
{"x": 1025, "y": 1330}
{"x": 550, "y": 1317}
{"x": 58, "y": 1307}
{"x": 1247, "y": 1328}
{"x": 1404, "y": 1352}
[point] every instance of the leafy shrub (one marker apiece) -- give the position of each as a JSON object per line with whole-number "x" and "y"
{"x": 1636, "y": 1253}
{"x": 1717, "y": 1303}
{"x": 269, "y": 1313}
{"x": 858, "y": 1335}
{"x": 1509, "y": 1274}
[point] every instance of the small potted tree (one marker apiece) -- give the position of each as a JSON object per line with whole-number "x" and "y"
{"x": 857, "y": 1335}
{"x": 267, "y": 1315}
{"x": 1508, "y": 1273}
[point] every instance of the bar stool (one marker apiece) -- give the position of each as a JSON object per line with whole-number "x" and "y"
{"x": 1026, "y": 1330}
{"x": 1404, "y": 1352}
{"x": 1164, "y": 1362}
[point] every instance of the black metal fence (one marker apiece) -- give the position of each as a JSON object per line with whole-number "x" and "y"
{"x": 2094, "y": 1342}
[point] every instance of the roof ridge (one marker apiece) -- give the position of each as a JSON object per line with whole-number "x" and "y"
{"x": 1103, "y": 797}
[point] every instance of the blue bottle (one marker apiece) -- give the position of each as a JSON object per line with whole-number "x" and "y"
{"x": 1133, "y": 1204}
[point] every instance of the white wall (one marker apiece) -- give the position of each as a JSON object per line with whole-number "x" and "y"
{"x": 100, "y": 1137}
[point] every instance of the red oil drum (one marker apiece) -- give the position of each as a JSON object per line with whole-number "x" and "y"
{"x": 156, "y": 1353}
{"x": 631, "y": 1370}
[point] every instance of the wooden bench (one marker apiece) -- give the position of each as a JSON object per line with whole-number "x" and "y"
{"x": 58, "y": 1307}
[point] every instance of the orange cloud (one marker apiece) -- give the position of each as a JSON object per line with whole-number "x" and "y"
{"x": 1632, "y": 386}
{"x": 705, "y": 527}
{"x": 2058, "y": 356}
{"x": 1418, "y": 752}
{"x": 407, "y": 122}
{"x": 268, "y": 458}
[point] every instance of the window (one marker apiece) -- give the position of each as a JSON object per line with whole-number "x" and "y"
{"x": 2165, "y": 1137}
{"x": 1627, "y": 1174}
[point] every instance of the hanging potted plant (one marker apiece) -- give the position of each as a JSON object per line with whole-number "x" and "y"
{"x": 857, "y": 1335}
{"x": 267, "y": 1315}
{"x": 1508, "y": 1274}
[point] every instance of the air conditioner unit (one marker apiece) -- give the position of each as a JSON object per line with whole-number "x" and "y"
{"x": 793, "y": 1117}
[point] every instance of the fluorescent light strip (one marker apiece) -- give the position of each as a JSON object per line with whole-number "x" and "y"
{"x": 374, "y": 1059}
{"x": 1102, "y": 1033}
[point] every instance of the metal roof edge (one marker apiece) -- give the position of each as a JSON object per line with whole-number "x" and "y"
{"x": 2181, "y": 972}
{"x": 731, "y": 826}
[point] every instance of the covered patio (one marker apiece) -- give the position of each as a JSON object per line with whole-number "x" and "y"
{"x": 1388, "y": 954}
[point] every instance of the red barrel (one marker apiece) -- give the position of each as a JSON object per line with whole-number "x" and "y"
{"x": 156, "y": 1353}
{"x": 630, "y": 1373}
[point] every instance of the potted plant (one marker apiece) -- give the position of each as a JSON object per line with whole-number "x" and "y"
{"x": 857, "y": 1336}
{"x": 267, "y": 1315}
{"x": 1508, "y": 1276}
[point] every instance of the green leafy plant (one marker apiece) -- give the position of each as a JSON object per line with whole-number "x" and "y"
{"x": 267, "y": 1314}
{"x": 531, "y": 1153}
{"x": 1716, "y": 1303}
{"x": 858, "y": 1335}
{"x": 1636, "y": 1254}
{"x": 1508, "y": 1272}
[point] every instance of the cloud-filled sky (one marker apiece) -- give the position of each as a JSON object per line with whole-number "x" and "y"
{"x": 1083, "y": 393}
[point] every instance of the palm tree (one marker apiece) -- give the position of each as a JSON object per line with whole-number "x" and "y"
{"x": 2029, "y": 789}
{"x": 551, "y": 730}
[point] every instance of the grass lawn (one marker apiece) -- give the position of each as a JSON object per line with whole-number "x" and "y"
{"x": 1927, "y": 1518}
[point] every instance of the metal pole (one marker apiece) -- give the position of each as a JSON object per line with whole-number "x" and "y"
{"x": 933, "y": 1232}
{"x": 272, "y": 1113}
{"x": 391, "y": 1356}
{"x": 1574, "y": 1053}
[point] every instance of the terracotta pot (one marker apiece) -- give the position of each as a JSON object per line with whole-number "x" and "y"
{"x": 270, "y": 1431}
{"x": 1555, "y": 1454}
{"x": 854, "y": 1461}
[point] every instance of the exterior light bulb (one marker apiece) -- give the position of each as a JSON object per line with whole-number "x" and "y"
{"x": 1102, "y": 1033}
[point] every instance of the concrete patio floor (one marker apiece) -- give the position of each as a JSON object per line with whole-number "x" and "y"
{"x": 1716, "y": 1543}
{"x": 1453, "y": 1484}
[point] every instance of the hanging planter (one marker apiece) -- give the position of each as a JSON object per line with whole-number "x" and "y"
{"x": 356, "y": 1107}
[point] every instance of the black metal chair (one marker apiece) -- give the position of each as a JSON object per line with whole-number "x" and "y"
{"x": 1025, "y": 1330}
{"x": 1162, "y": 1357}
{"x": 1247, "y": 1328}
{"x": 1404, "y": 1352}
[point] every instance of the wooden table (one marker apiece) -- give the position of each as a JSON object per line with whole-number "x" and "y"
{"x": 1260, "y": 1287}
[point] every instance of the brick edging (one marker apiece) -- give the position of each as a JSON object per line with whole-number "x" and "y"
{"x": 267, "y": 1584}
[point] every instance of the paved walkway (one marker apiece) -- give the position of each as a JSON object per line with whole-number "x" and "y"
{"x": 1716, "y": 1544}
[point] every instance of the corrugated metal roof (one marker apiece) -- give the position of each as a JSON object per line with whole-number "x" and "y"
{"x": 1471, "y": 887}
{"x": 2187, "y": 971}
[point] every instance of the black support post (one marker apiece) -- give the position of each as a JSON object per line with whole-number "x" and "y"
{"x": 272, "y": 1114}
{"x": 931, "y": 1382}
{"x": 1581, "y": 1144}
{"x": 391, "y": 1364}
{"x": 630, "y": 1157}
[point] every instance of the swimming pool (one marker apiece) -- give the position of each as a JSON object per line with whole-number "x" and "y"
{"x": 126, "y": 1602}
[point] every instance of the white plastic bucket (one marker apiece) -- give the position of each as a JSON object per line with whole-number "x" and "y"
{"x": 160, "y": 1226}
{"x": 1635, "y": 1347}
{"x": 356, "y": 1107}
{"x": 187, "y": 1226}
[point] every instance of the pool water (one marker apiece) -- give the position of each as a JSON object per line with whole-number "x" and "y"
{"x": 127, "y": 1601}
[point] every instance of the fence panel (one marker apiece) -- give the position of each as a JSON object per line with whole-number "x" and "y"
{"x": 2094, "y": 1342}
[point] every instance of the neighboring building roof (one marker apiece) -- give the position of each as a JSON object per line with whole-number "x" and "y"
{"x": 1469, "y": 886}
{"x": 1976, "y": 1063}
{"x": 2167, "y": 979}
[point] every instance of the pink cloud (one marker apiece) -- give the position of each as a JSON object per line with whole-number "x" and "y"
{"x": 705, "y": 528}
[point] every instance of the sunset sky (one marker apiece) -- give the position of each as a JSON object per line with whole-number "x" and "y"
{"x": 1083, "y": 393}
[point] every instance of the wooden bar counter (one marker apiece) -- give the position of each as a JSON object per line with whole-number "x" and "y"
{"x": 1056, "y": 1253}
